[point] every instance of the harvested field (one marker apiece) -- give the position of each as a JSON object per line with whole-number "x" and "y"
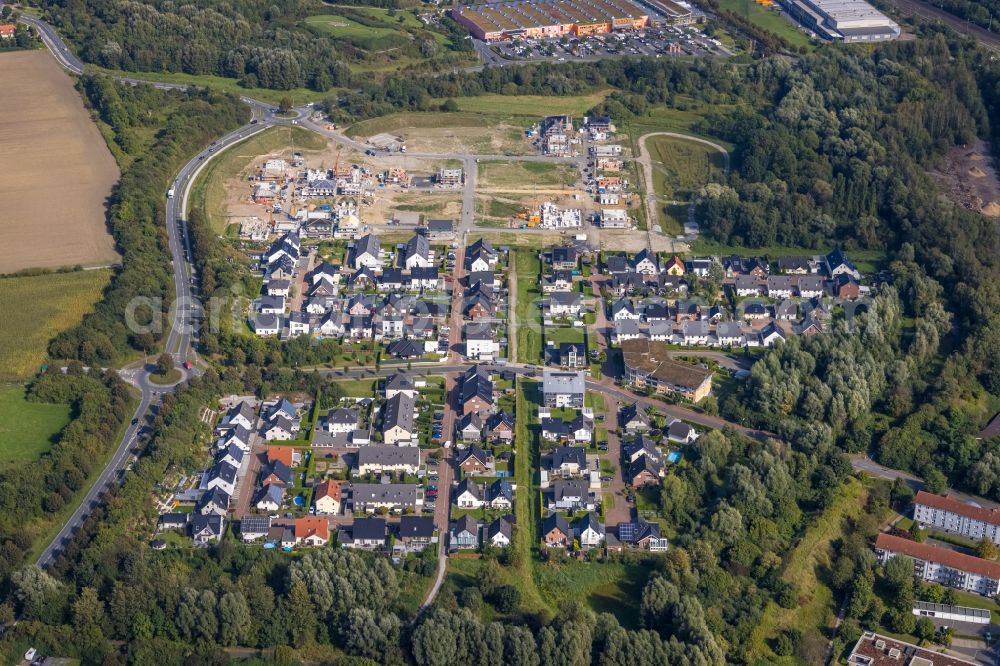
{"x": 38, "y": 307}
{"x": 57, "y": 170}
{"x": 460, "y": 133}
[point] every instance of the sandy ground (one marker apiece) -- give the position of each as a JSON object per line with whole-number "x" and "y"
{"x": 443, "y": 203}
{"x": 57, "y": 170}
{"x": 971, "y": 178}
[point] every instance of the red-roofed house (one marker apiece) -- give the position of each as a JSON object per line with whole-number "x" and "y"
{"x": 7, "y": 31}
{"x": 286, "y": 454}
{"x": 327, "y": 496}
{"x": 312, "y": 531}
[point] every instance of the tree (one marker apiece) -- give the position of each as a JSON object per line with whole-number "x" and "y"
{"x": 506, "y": 598}
{"x": 924, "y": 628}
{"x": 234, "y": 619}
{"x": 301, "y": 615}
{"x": 987, "y": 550}
{"x": 917, "y": 533}
{"x": 285, "y": 104}
{"x": 164, "y": 364}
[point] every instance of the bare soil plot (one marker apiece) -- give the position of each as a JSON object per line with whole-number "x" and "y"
{"x": 971, "y": 177}
{"x": 57, "y": 170}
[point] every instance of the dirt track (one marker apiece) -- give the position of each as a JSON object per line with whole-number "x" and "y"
{"x": 57, "y": 170}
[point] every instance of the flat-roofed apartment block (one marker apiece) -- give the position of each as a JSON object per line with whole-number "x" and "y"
{"x": 550, "y": 18}
{"x": 942, "y": 565}
{"x": 844, "y": 20}
{"x": 951, "y": 515}
{"x": 876, "y": 650}
{"x": 648, "y": 364}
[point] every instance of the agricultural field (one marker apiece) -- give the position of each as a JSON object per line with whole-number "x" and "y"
{"x": 27, "y": 429}
{"x": 468, "y": 133}
{"x": 220, "y": 184}
{"x": 681, "y": 167}
{"x": 57, "y": 169}
{"x": 38, "y": 307}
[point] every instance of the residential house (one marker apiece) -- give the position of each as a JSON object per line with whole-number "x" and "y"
{"x": 265, "y": 325}
{"x": 406, "y": 349}
{"x": 563, "y": 389}
{"x": 837, "y": 263}
{"x": 634, "y": 418}
{"x": 480, "y": 256}
{"x": 241, "y": 414}
{"x": 780, "y": 286}
{"x": 570, "y": 355}
{"x": 480, "y": 342}
{"x": 730, "y": 334}
{"x": 648, "y": 363}
{"x": 628, "y": 329}
{"x": 222, "y": 476}
{"x": 367, "y": 253}
{"x": 464, "y": 534}
{"x": 641, "y": 446}
{"x": 215, "y": 501}
{"x": 173, "y": 521}
{"x": 642, "y": 535}
{"x": 748, "y": 285}
{"x": 276, "y": 473}
{"x": 565, "y": 258}
{"x": 417, "y": 252}
{"x": 499, "y": 533}
{"x": 567, "y": 461}
{"x": 675, "y": 266}
{"x": 500, "y": 495}
{"x": 270, "y": 498}
{"x": 469, "y": 495}
{"x": 416, "y": 532}
{"x": 644, "y": 471}
{"x": 846, "y": 286}
{"x": 645, "y": 263}
{"x": 440, "y": 230}
{"x": 624, "y": 309}
{"x": 424, "y": 277}
{"x": 398, "y": 421}
{"x": 476, "y": 392}
{"x": 233, "y": 455}
{"x": 254, "y": 528}
{"x": 681, "y": 432}
{"x": 500, "y": 428}
{"x": 795, "y": 265}
{"x": 364, "y": 534}
{"x": 312, "y": 531}
{"x": 367, "y": 497}
{"x": 556, "y": 532}
{"x": 288, "y": 455}
{"x": 590, "y": 531}
{"x": 280, "y": 429}
{"x": 474, "y": 461}
{"x": 695, "y": 332}
{"x": 207, "y": 529}
{"x": 394, "y": 459}
{"x": 580, "y": 430}
{"x": 570, "y": 495}
{"x": 810, "y": 286}
{"x": 557, "y": 282}
{"x": 327, "y": 497}
{"x": 565, "y": 303}
{"x": 399, "y": 382}
{"x": 340, "y": 420}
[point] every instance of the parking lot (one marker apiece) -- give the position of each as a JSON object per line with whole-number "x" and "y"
{"x": 653, "y": 42}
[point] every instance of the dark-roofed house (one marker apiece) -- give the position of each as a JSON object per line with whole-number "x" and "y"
{"x": 416, "y": 532}
{"x": 367, "y": 253}
{"x": 270, "y": 498}
{"x": 365, "y": 534}
{"x": 342, "y": 420}
{"x": 173, "y": 521}
{"x": 500, "y": 495}
{"x": 438, "y": 230}
{"x": 499, "y": 533}
{"x": 556, "y": 531}
{"x": 240, "y": 414}
{"x": 254, "y": 528}
{"x": 565, "y": 258}
{"x": 380, "y": 459}
{"x": 644, "y": 471}
{"x": 276, "y": 473}
{"x": 206, "y": 529}
{"x": 474, "y": 461}
{"x": 469, "y": 495}
{"x": 590, "y": 530}
{"x": 399, "y": 382}
{"x": 641, "y": 446}
{"x": 222, "y": 476}
{"x": 570, "y": 495}
{"x": 477, "y": 391}
{"x": 398, "y": 423}
{"x": 215, "y": 501}
{"x": 634, "y": 418}
{"x": 367, "y": 497}
{"x": 500, "y": 427}
{"x": 681, "y": 432}
{"x": 464, "y": 534}
{"x": 567, "y": 461}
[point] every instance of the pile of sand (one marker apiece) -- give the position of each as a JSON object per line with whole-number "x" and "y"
{"x": 976, "y": 172}
{"x": 974, "y": 156}
{"x": 992, "y": 209}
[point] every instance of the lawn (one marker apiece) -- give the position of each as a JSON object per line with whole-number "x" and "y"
{"x": 209, "y": 190}
{"x": 526, "y": 175}
{"x": 681, "y": 168}
{"x": 531, "y": 105}
{"x": 672, "y": 218}
{"x": 358, "y": 388}
{"x": 345, "y": 28}
{"x": 529, "y": 334}
{"x": 526, "y": 501}
{"x": 560, "y": 334}
{"x": 769, "y": 19}
{"x": 816, "y": 609}
{"x": 27, "y": 429}
{"x": 37, "y": 308}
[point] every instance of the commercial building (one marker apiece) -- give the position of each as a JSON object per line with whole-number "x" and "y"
{"x": 844, "y": 20}
{"x": 942, "y": 565}
{"x": 648, "y": 364}
{"x": 950, "y": 515}
{"x": 539, "y": 19}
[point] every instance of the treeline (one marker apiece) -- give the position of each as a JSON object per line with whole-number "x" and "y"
{"x": 25, "y": 36}
{"x": 260, "y": 43}
{"x": 981, "y": 12}
{"x": 766, "y": 41}
{"x": 100, "y": 404}
{"x": 137, "y": 207}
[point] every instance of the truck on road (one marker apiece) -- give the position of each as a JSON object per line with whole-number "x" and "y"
{"x": 170, "y": 193}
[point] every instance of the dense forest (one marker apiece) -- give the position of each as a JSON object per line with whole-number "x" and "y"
{"x": 154, "y": 132}
{"x": 261, "y": 43}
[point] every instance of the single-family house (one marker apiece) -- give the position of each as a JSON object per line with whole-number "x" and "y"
{"x": 312, "y": 531}
{"x": 327, "y": 497}
{"x": 590, "y": 531}
{"x": 474, "y": 461}
{"x": 214, "y": 501}
{"x": 340, "y": 419}
{"x": 222, "y": 476}
{"x": 464, "y": 534}
{"x": 567, "y": 461}
{"x": 398, "y": 422}
{"x": 570, "y": 495}
{"x": 469, "y": 495}
{"x": 500, "y": 495}
{"x": 365, "y": 534}
{"x": 207, "y": 529}
{"x": 416, "y": 532}
{"x": 556, "y": 531}
{"x": 499, "y": 533}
